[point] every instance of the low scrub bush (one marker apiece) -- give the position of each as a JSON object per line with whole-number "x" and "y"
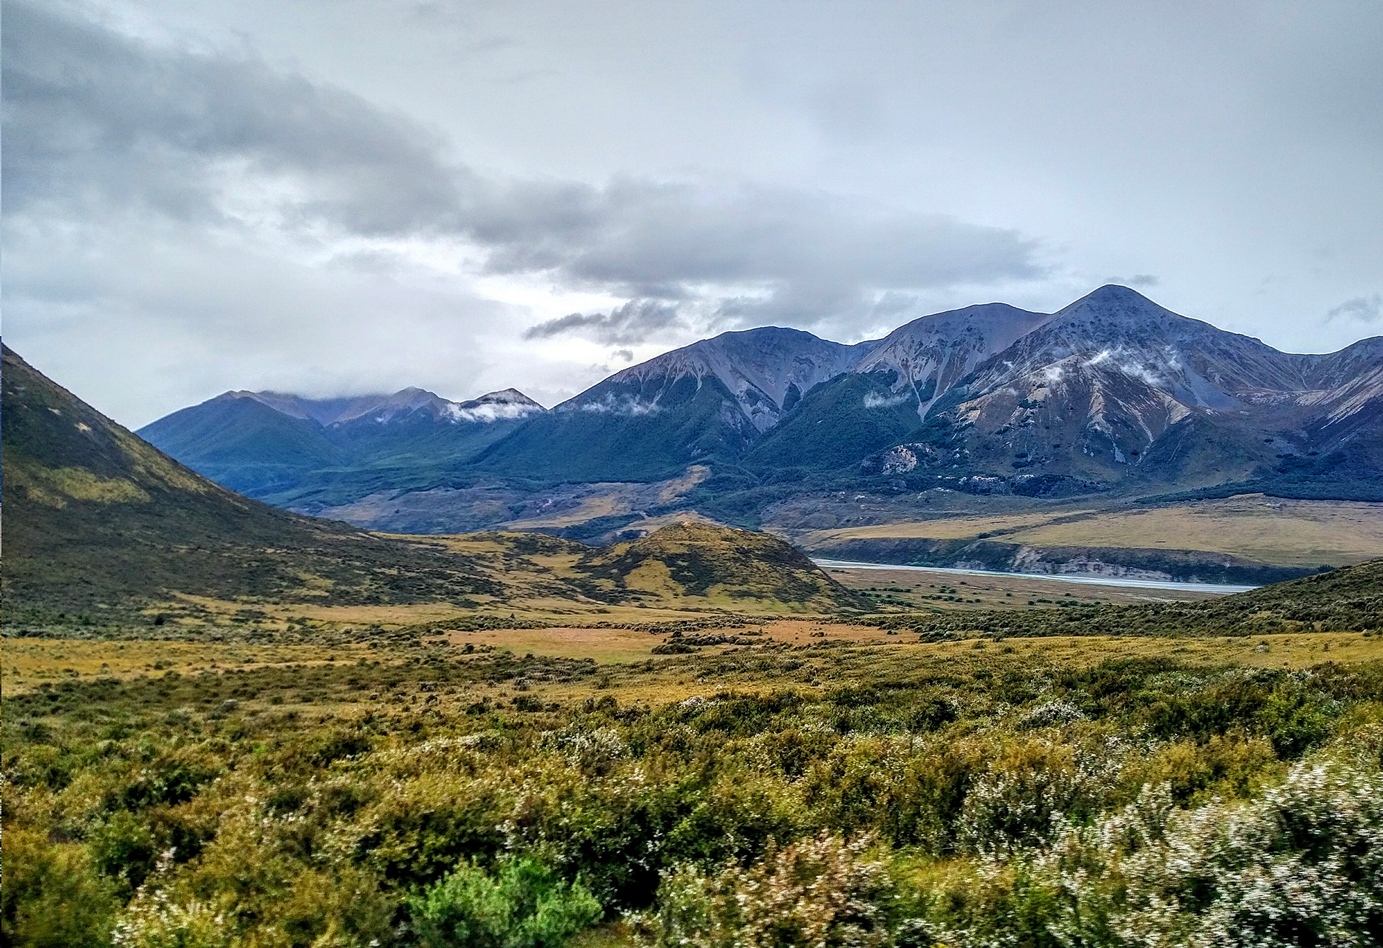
{"x": 830, "y": 797}
{"x": 820, "y": 891}
{"x": 524, "y": 905}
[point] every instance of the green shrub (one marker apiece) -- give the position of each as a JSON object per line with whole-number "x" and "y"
{"x": 524, "y": 906}
{"x": 138, "y": 811}
{"x": 52, "y": 896}
{"x": 125, "y": 849}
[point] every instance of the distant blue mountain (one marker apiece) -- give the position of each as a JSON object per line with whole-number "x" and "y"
{"x": 263, "y": 444}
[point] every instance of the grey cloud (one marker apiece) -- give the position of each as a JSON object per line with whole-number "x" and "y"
{"x": 99, "y": 123}
{"x": 192, "y": 318}
{"x": 1138, "y": 280}
{"x": 1364, "y": 309}
{"x": 96, "y": 122}
{"x": 756, "y": 254}
{"x": 635, "y": 233}
{"x": 634, "y": 322}
{"x": 199, "y": 212}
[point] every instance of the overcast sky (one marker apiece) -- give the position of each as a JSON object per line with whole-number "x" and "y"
{"x": 337, "y": 197}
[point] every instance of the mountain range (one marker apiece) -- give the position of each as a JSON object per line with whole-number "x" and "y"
{"x": 1112, "y": 393}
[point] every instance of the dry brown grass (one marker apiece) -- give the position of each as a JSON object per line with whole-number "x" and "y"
{"x": 635, "y": 674}
{"x": 31, "y": 662}
{"x": 941, "y": 528}
{"x": 1265, "y": 530}
{"x": 623, "y": 646}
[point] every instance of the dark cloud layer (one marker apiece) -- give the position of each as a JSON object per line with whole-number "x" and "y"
{"x": 98, "y": 124}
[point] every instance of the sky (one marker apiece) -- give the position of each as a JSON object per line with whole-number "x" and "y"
{"x": 351, "y": 196}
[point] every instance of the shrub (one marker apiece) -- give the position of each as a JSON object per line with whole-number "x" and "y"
{"x": 52, "y": 897}
{"x": 817, "y": 892}
{"x": 1027, "y": 789}
{"x": 1302, "y": 865}
{"x": 525, "y": 906}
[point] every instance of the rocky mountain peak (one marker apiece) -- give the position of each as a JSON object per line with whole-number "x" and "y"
{"x": 931, "y": 354}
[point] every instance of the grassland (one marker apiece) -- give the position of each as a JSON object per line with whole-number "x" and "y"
{"x": 305, "y": 787}
{"x": 232, "y": 794}
{"x": 1267, "y": 530}
{"x": 32, "y": 663}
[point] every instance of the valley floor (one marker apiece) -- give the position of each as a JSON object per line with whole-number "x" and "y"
{"x": 1245, "y": 539}
{"x": 41, "y": 663}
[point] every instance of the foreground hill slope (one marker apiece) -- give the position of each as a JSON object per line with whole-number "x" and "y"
{"x": 96, "y": 518}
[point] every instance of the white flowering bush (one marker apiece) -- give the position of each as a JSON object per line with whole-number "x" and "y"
{"x": 1050, "y": 714}
{"x": 592, "y": 750}
{"x": 155, "y": 919}
{"x": 1022, "y": 795}
{"x": 821, "y": 892}
{"x": 1300, "y": 865}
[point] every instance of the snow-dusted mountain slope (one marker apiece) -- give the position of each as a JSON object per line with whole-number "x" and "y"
{"x": 506, "y": 405}
{"x": 261, "y": 443}
{"x": 1113, "y": 374}
{"x": 930, "y": 355}
{"x": 765, "y": 371}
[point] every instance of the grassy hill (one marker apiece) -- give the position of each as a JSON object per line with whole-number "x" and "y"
{"x": 734, "y": 568}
